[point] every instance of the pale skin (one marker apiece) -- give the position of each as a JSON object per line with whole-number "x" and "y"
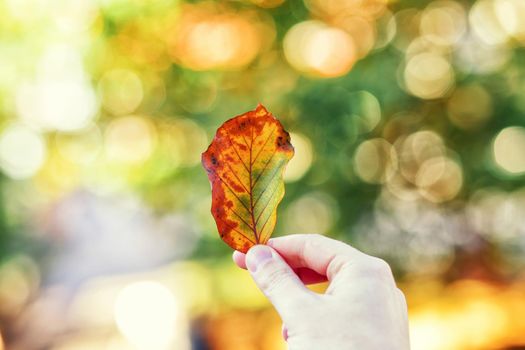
{"x": 362, "y": 309}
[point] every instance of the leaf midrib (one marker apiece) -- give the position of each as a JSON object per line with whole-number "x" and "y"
{"x": 252, "y": 182}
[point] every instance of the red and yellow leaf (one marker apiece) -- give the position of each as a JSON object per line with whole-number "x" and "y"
{"x": 245, "y": 164}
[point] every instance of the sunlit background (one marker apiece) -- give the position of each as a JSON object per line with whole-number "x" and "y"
{"x": 408, "y": 119}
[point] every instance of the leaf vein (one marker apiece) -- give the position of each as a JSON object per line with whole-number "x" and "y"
{"x": 264, "y": 145}
{"x": 269, "y": 182}
{"x": 240, "y": 182}
{"x": 240, "y": 217}
{"x": 265, "y": 222}
{"x": 254, "y": 225}
{"x": 244, "y": 139}
{"x": 234, "y": 229}
{"x": 266, "y": 205}
{"x": 237, "y": 152}
{"x": 263, "y": 169}
{"x": 232, "y": 191}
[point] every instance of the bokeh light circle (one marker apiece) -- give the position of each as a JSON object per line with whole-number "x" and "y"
{"x": 365, "y": 111}
{"x": 417, "y": 148}
{"x": 443, "y": 22}
{"x": 22, "y": 151}
{"x": 52, "y": 104}
{"x": 317, "y": 49}
{"x": 375, "y": 161}
{"x": 428, "y": 76}
{"x": 508, "y": 150}
{"x": 330, "y": 9}
{"x": 511, "y": 15}
{"x": 302, "y": 159}
{"x": 313, "y": 212}
{"x": 216, "y": 37}
{"x": 121, "y": 91}
{"x": 469, "y": 107}
{"x": 130, "y": 140}
{"x": 439, "y": 179}
{"x": 60, "y": 96}
{"x": 485, "y": 23}
{"x": 361, "y": 30}
{"x": 82, "y": 147}
{"x": 146, "y": 314}
{"x": 267, "y": 3}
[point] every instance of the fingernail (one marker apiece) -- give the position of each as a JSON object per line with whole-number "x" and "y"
{"x": 256, "y": 256}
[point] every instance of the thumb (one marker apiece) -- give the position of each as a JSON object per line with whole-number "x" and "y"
{"x": 277, "y": 280}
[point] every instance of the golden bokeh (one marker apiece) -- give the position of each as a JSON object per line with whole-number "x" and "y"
{"x": 417, "y": 148}
{"x": 313, "y": 212}
{"x": 470, "y": 107}
{"x": 210, "y": 37}
{"x": 439, "y": 179}
{"x": 361, "y": 30}
{"x": 81, "y": 147}
{"x": 302, "y": 160}
{"x": 407, "y": 122}
{"x": 120, "y": 91}
{"x": 508, "y": 149}
{"x": 428, "y": 76}
{"x": 317, "y": 49}
{"x": 511, "y": 14}
{"x": 485, "y": 23}
{"x": 130, "y": 139}
{"x": 333, "y": 8}
{"x": 267, "y": 3}
{"x": 443, "y": 22}
{"x": 375, "y": 161}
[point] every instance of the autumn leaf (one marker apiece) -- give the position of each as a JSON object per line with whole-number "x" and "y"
{"x": 245, "y": 164}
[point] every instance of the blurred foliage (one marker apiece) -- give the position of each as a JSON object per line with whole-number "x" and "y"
{"x": 408, "y": 122}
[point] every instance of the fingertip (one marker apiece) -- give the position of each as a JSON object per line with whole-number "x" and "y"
{"x": 257, "y": 255}
{"x": 239, "y": 259}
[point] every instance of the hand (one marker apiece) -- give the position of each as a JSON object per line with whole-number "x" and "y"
{"x": 362, "y": 308}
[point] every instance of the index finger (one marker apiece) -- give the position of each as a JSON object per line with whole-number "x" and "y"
{"x": 321, "y": 254}
{"x": 306, "y": 275}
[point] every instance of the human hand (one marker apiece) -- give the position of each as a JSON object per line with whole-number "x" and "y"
{"x": 362, "y": 308}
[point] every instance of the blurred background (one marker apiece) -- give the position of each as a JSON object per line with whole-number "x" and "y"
{"x": 408, "y": 119}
